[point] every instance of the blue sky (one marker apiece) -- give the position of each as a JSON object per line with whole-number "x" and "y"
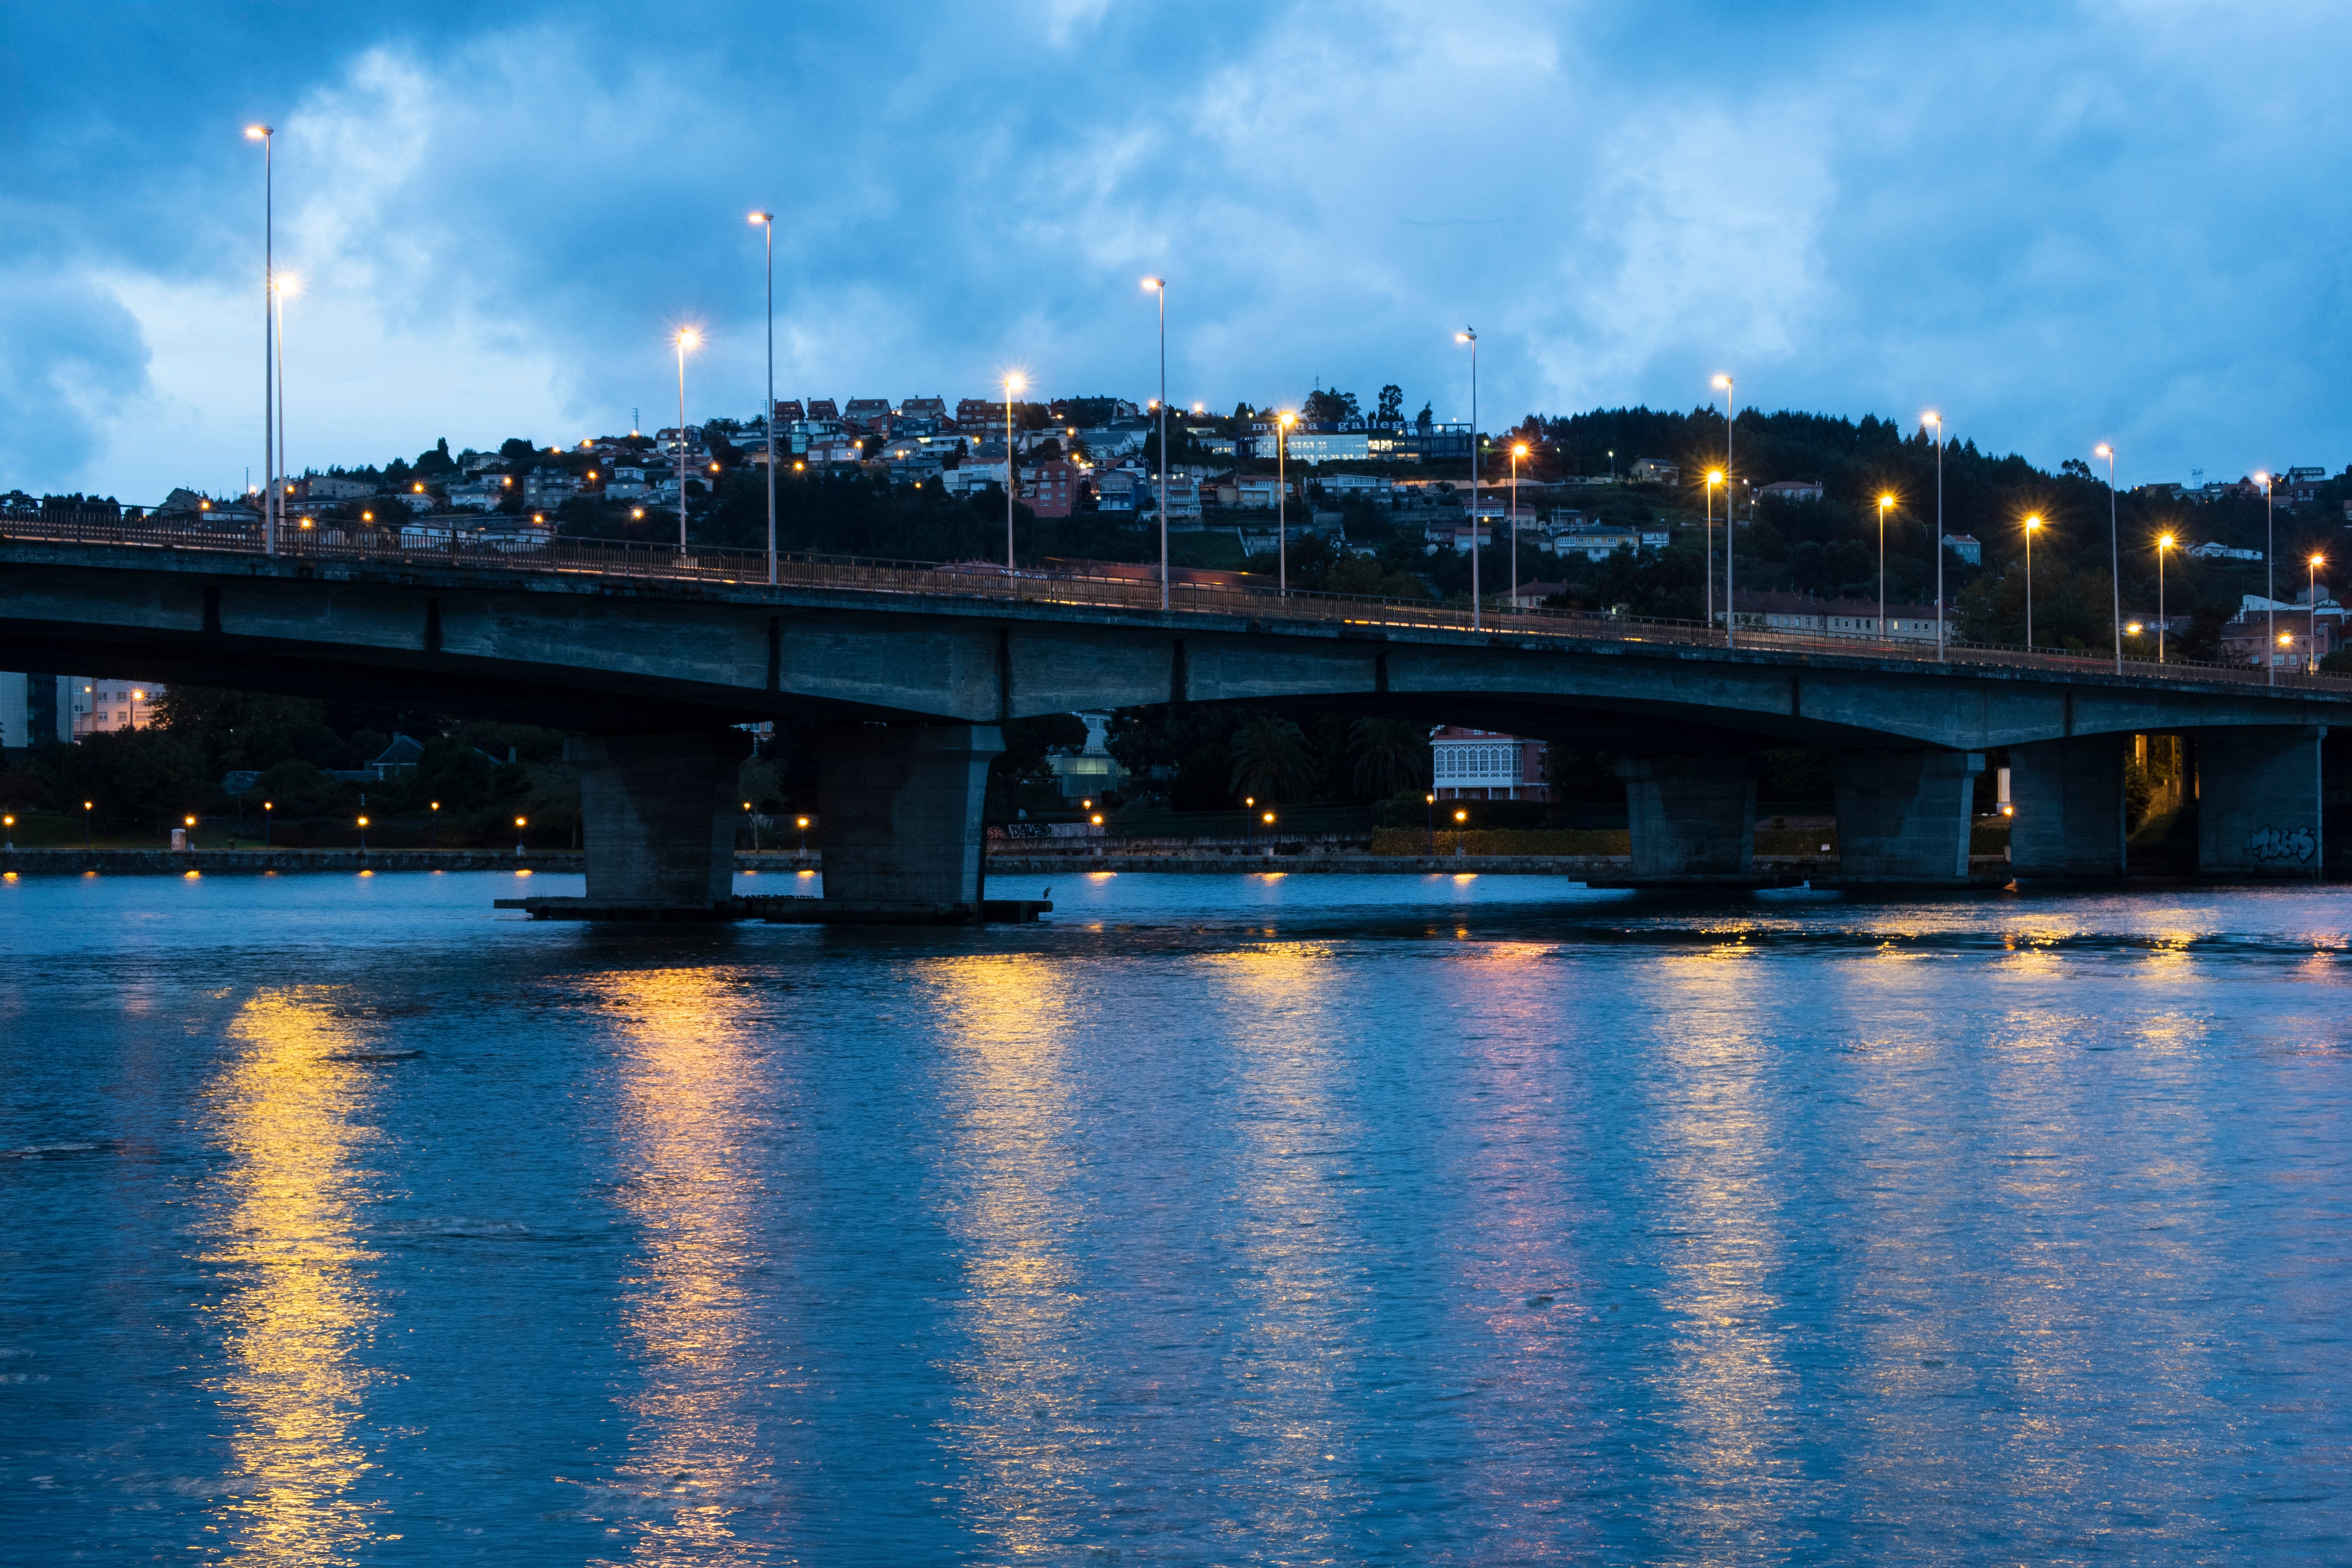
{"x": 2060, "y": 223}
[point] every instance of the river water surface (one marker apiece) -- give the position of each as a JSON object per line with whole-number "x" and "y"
{"x": 1300, "y": 1220}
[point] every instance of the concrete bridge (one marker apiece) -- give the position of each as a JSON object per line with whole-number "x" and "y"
{"x": 908, "y": 670}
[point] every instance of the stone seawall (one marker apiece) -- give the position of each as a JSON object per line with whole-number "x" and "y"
{"x": 176, "y": 863}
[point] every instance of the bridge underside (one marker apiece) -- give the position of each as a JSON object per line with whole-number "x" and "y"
{"x": 936, "y": 674}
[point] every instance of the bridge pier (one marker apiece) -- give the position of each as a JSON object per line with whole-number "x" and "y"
{"x": 1903, "y": 817}
{"x": 656, "y": 814}
{"x": 1693, "y": 818}
{"x": 2070, "y": 821}
{"x": 901, "y": 808}
{"x": 2259, "y": 800}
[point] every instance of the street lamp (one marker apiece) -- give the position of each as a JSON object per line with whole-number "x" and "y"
{"x": 9, "y": 823}
{"x": 1012, "y": 384}
{"x": 2114, "y": 552}
{"x": 1883, "y": 503}
{"x": 518, "y": 826}
{"x": 434, "y": 830}
{"x": 2163, "y": 543}
{"x": 686, "y": 338}
{"x": 1282, "y": 502}
{"x": 1519, "y": 450}
{"x": 2270, "y": 566}
{"x": 801, "y": 822}
{"x": 1934, "y": 421}
{"x": 2031, "y": 524}
{"x": 190, "y": 824}
{"x": 1730, "y": 613}
{"x": 135, "y": 698}
{"x": 266, "y": 135}
{"x": 268, "y": 806}
{"x": 1430, "y": 807}
{"x": 1715, "y": 477}
{"x": 1470, "y": 335}
{"x": 755, "y": 827}
{"x": 362, "y": 834}
{"x": 87, "y": 807}
{"x": 1160, "y": 287}
{"x": 2311, "y": 615}
{"x": 767, "y": 222}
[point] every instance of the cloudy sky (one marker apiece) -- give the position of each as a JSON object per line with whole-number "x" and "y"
{"x": 2060, "y": 223}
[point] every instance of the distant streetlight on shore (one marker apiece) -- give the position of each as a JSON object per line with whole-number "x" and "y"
{"x": 2033, "y": 524}
{"x": 267, "y": 135}
{"x": 1730, "y": 525}
{"x": 2163, "y": 543}
{"x": 2311, "y": 616}
{"x": 1519, "y": 450}
{"x": 1883, "y": 503}
{"x": 1470, "y": 335}
{"x": 2114, "y": 552}
{"x": 433, "y": 829}
{"x": 767, "y": 221}
{"x": 1012, "y": 384}
{"x": 1159, "y": 286}
{"x": 286, "y": 285}
{"x": 9, "y": 823}
{"x": 268, "y": 809}
{"x": 1934, "y": 421}
{"x": 1282, "y": 502}
{"x": 519, "y": 827}
{"x": 686, "y": 338}
{"x": 136, "y": 698}
{"x": 1430, "y": 807}
{"x": 87, "y": 807}
{"x": 362, "y": 834}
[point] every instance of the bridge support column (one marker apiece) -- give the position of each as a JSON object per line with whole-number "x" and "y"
{"x": 1903, "y": 817}
{"x": 2069, "y": 796}
{"x": 655, "y": 815}
{"x": 1693, "y": 818}
{"x": 2258, "y": 801}
{"x": 900, "y": 807}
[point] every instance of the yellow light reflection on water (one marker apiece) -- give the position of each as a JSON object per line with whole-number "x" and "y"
{"x": 695, "y": 1462}
{"x": 303, "y": 1306}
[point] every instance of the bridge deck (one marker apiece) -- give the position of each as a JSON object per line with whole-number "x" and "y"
{"x": 988, "y": 582}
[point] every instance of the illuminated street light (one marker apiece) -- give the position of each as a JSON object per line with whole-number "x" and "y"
{"x": 1731, "y": 529}
{"x": 519, "y": 827}
{"x": 1715, "y": 477}
{"x": 2311, "y": 615}
{"x": 1883, "y": 503}
{"x": 1470, "y": 335}
{"x": 2270, "y": 564}
{"x": 1012, "y": 384}
{"x": 87, "y": 807}
{"x": 363, "y": 835}
{"x": 686, "y": 338}
{"x": 266, "y": 136}
{"x": 1429, "y": 808}
{"x": 2031, "y": 524}
{"x": 136, "y": 698}
{"x": 2163, "y": 543}
{"x": 2114, "y": 552}
{"x": 9, "y": 823}
{"x": 1934, "y": 421}
{"x": 1519, "y": 450}
{"x": 767, "y": 221}
{"x": 1159, "y": 286}
{"x": 1282, "y": 505}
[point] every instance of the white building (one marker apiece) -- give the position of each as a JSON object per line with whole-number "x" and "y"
{"x": 99, "y": 702}
{"x": 37, "y": 708}
{"x": 1487, "y": 764}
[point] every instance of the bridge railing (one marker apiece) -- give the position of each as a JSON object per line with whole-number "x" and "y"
{"x": 429, "y": 546}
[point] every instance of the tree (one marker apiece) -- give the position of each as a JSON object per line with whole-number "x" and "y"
{"x": 1391, "y": 404}
{"x": 1389, "y": 756}
{"x": 1270, "y": 758}
{"x": 1329, "y": 407}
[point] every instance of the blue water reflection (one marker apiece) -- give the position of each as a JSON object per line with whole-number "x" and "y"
{"x": 1218, "y": 1219}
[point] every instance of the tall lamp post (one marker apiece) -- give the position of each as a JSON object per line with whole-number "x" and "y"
{"x": 1730, "y": 523}
{"x": 1160, "y": 287}
{"x": 1012, "y": 384}
{"x": 1282, "y": 425}
{"x": 2163, "y": 543}
{"x": 266, "y": 135}
{"x": 1934, "y": 422}
{"x": 1519, "y": 450}
{"x": 284, "y": 286}
{"x": 2032, "y": 523}
{"x": 686, "y": 338}
{"x": 767, "y": 221}
{"x": 1714, "y": 477}
{"x": 2114, "y": 552}
{"x": 2311, "y": 616}
{"x": 1470, "y": 335}
{"x": 1883, "y": 503}
{"x": 2270, "y": 571}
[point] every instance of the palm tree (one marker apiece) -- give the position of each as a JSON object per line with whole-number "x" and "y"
{"x": 1270, "y": 758}
{"x": 1391, "y": 755}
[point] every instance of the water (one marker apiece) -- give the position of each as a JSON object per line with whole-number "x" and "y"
{"x": 1221, "y": 1220}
